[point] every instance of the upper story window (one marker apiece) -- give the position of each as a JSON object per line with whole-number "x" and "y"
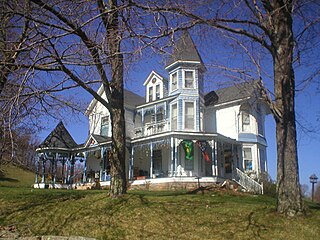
{"x": 245, "y": 122}
{"x": 157, "y": 91}
{"x": 189, "y": 115}
{"x": 150, "y": 94}
{"x": 174, "y": 81}
{"x": 189, "y": 79}
{"x": 174, "y": 117}
{"x": 105, "y": 122}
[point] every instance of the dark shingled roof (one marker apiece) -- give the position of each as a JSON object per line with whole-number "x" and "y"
{"x": 132, "y": 98}
{"x": 234, "y": 92}
{"x": 59, "y": 138}
{"x": 100, "y": 138}
{"x": 184, "y": 50}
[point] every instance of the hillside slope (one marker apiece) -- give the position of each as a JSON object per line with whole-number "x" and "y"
{"x": 12, "y": 176}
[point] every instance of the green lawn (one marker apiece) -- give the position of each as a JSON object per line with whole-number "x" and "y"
{"x": 11, "y": 176}
{"x": 151, "y": 215}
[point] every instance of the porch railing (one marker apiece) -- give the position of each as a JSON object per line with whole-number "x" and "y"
{"x": 152, "y": 128}
{"x": 247, "y": 182}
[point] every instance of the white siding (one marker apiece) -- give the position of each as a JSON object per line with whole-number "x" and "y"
{"x": 227, "y": 121}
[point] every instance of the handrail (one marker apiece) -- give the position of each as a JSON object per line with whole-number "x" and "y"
{"x": 247, "y": 182}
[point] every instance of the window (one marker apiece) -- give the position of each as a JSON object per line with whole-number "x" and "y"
{"x": 245, "y": 122}
{"x": 260, "y": 123}
{"x": 160, "y": 114}
{"x": 174, "y": 81}
{"x": 189, "y": 115}
{"x": 104, "y": 126}
{"x": 174, "y": 114}
{"x": 157, "y": 92}
{"x": 247, "y": 159}
{"x": 262, "y": 157}
{"x": 189, "y": 79}
{"x": 150, "y": 94}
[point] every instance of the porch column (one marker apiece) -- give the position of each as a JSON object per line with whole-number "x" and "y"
{"x": 175, "y": 154}
{"x": 71, "y": 174}
{"x": 43, "y": 170}
{"x": 55, "y": 164}
{"x": 233, "y": 160}
{"x": 84, "y": 179}
{"x": 106, "y": 159}
{"x": 142, "y": 122}
{"x": 37, "y": 168}
{"x": 102, "y": 166}
{"x": 151, "y": 160}
{"x": 215, "y": 158}
{"x": 131, "y": 163}
{"x": 62, "y": 170}
{"x": 172, "y": 150}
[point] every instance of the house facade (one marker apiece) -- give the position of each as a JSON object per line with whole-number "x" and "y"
{"x": 178, "y": 131}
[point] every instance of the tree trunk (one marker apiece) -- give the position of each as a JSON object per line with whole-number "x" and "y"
{"x": 118, "y": 176}
{"x": 289, "y": 199}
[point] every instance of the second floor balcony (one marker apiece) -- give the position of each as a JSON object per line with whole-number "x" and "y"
{"x": 152, "y": 128}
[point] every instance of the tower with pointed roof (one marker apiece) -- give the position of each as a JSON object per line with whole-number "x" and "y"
{"x": 186, "y": 70}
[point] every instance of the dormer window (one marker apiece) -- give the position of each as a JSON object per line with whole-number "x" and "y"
{"x": 150, "y": 94}
{"x": 174, "y": 81}
{"x": 189, "y": 79}
{"x": 157, "y": 92}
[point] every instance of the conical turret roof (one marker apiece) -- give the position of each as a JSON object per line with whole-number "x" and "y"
{"x": 184, "y": 50}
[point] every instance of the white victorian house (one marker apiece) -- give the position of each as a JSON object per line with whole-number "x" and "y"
{"x": 180, "y": 131}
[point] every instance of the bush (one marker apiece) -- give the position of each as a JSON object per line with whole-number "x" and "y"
{"x": 269, "y": 186}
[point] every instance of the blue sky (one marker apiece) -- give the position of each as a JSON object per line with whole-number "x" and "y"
{"x": 307, "y": 106}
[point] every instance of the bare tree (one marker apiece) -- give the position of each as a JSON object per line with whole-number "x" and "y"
{"x": 82, "y": 43}
{"x": 268, "y": 25}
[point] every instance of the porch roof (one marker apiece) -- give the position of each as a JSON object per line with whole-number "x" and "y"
{"x": 185, "y": 135}
{"x": 59, "y": 138}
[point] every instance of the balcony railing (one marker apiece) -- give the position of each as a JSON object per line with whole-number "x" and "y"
{"x": 152, "y": 128}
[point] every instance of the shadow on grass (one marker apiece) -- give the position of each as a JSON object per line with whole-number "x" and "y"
{"x": 9, "y": 179}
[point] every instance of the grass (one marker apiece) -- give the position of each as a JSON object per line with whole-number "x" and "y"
{"x": 151, "y": 215}
{"x": 12, "y": 176}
